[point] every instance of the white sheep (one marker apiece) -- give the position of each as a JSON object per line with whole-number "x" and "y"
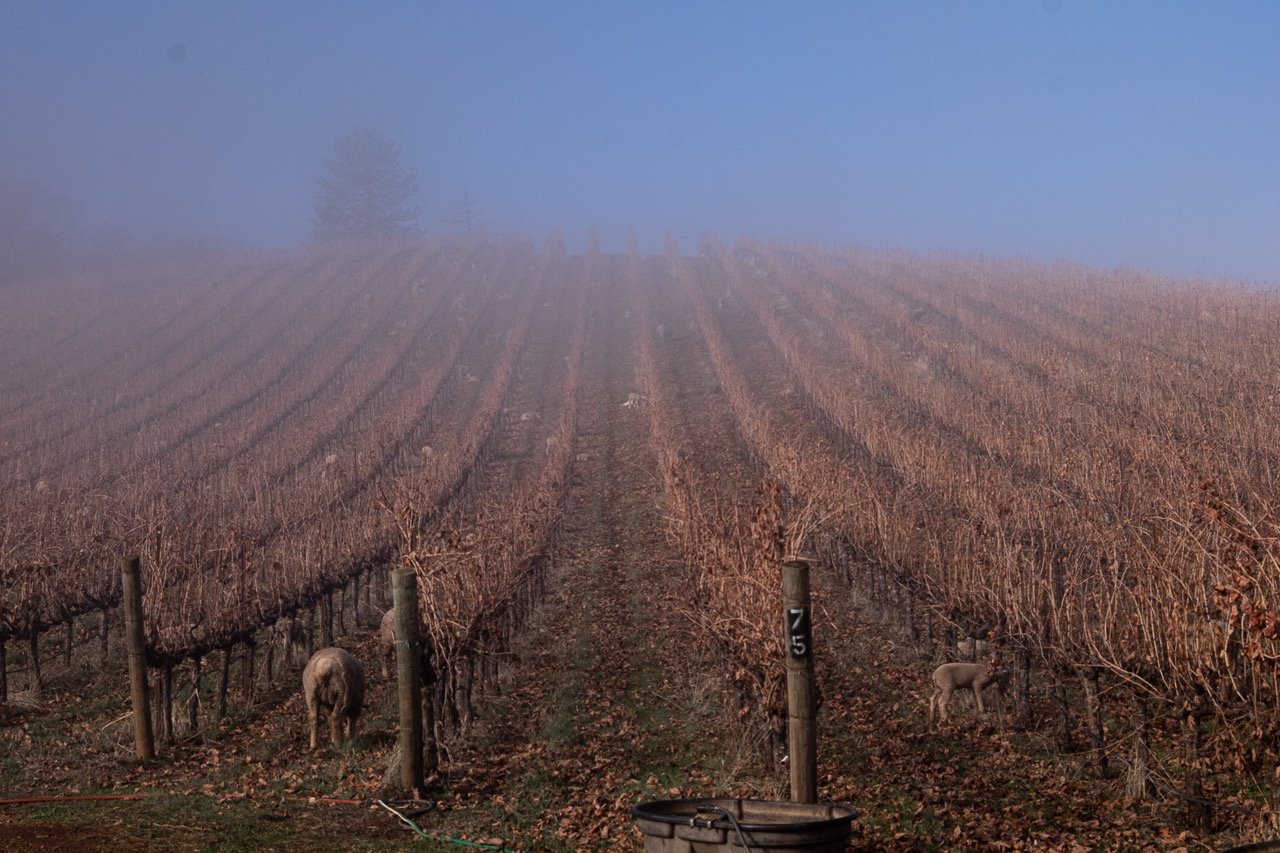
{"x": 388, "y": 653}
{"x": 333, "y": 681}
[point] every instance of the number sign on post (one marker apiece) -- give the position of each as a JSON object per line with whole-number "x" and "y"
{"x": 802, "y": 735}
{"x": 798, "y": 622}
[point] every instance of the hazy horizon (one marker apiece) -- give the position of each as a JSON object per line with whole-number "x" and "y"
{"x": 1137, "y": 134}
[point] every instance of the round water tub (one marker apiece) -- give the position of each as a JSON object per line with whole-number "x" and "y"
{"x": 716, "y": 824}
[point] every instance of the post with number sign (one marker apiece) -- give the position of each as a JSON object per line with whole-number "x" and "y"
{"x": 802, "y": 733}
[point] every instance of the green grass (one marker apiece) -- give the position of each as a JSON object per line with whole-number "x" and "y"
{"x": 204, "y": 823}
{"x": 900, "y": 811}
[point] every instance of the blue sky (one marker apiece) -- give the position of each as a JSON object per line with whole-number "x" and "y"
{"x": 1109, "y": 133}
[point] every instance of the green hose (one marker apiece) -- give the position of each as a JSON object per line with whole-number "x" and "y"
{"x": 459, "y": 841}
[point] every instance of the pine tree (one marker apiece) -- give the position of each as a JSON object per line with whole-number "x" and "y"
{"x": 367, "y": 191}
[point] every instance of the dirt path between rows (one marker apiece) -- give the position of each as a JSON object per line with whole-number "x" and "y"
{"x": 609, "y": 680}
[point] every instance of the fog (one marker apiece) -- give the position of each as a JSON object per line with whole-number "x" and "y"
{"x": 1110, "y": 134}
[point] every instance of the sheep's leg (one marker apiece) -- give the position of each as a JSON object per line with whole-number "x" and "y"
{"x": 335, "y": 726}
{"x": 977, "y": 696}
{"x": 314, "y": 713}
{"x": 943, "y": 701}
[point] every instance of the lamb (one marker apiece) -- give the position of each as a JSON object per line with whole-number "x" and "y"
{"x": 333, "y": 680}
{"x": 975, "y": 676}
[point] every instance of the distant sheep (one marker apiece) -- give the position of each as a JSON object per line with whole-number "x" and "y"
{"x": 387, "y": 641}
{"x": 333, "y": 681}
{"x": 290, "y": 633}
{"x": 951, "y": 677}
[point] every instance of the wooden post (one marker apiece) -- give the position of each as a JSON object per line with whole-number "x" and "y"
{"x": 143, "y": 740}
{"x": 166, "y": 704}
{"x": 269, "y": 663}
{"x": 802, "y": 736}
{"x": 404, "y": 594}
{"x": 246, "y": 669}
{"x": 104, "y": 629}
{"x": 37, "y": 680}
{"x": 1139, "y": 784}
{"x": 222, "y": 683}
{"x": 342, "y": 604}
{"x": 1197, "y": 814}
{"x": 1089, "y": 676}
{"x": 328, "y": 618}
{"x": 193, "y": 708}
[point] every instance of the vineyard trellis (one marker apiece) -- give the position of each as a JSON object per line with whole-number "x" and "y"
{"x": 1078, "y": 465}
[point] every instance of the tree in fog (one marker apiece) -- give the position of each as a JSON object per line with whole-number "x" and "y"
{"x": 465, "y": 214}
{"x": 36, "y": 229}
{"x": 366, "y": 191}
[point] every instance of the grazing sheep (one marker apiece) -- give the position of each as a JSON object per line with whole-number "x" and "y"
{"x": 333, "y": 680}
{"x": 292, "y": 636}
{"x": 956, "y": 676}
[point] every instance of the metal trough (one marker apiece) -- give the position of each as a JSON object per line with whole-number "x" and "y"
{"x": 748, "y": 826}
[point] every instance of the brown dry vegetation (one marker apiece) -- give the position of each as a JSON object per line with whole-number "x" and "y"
{"x": 1078, "y": 465}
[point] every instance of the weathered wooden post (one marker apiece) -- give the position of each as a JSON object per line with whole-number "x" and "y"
{"x": 404, "y": 596}
{"x": 193, "y": 706}
{"x": 37, "y": 683}
{"x": 104, "y": 628}
{"x": 802, "y": 738}
{"x": 144, "y": 741}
